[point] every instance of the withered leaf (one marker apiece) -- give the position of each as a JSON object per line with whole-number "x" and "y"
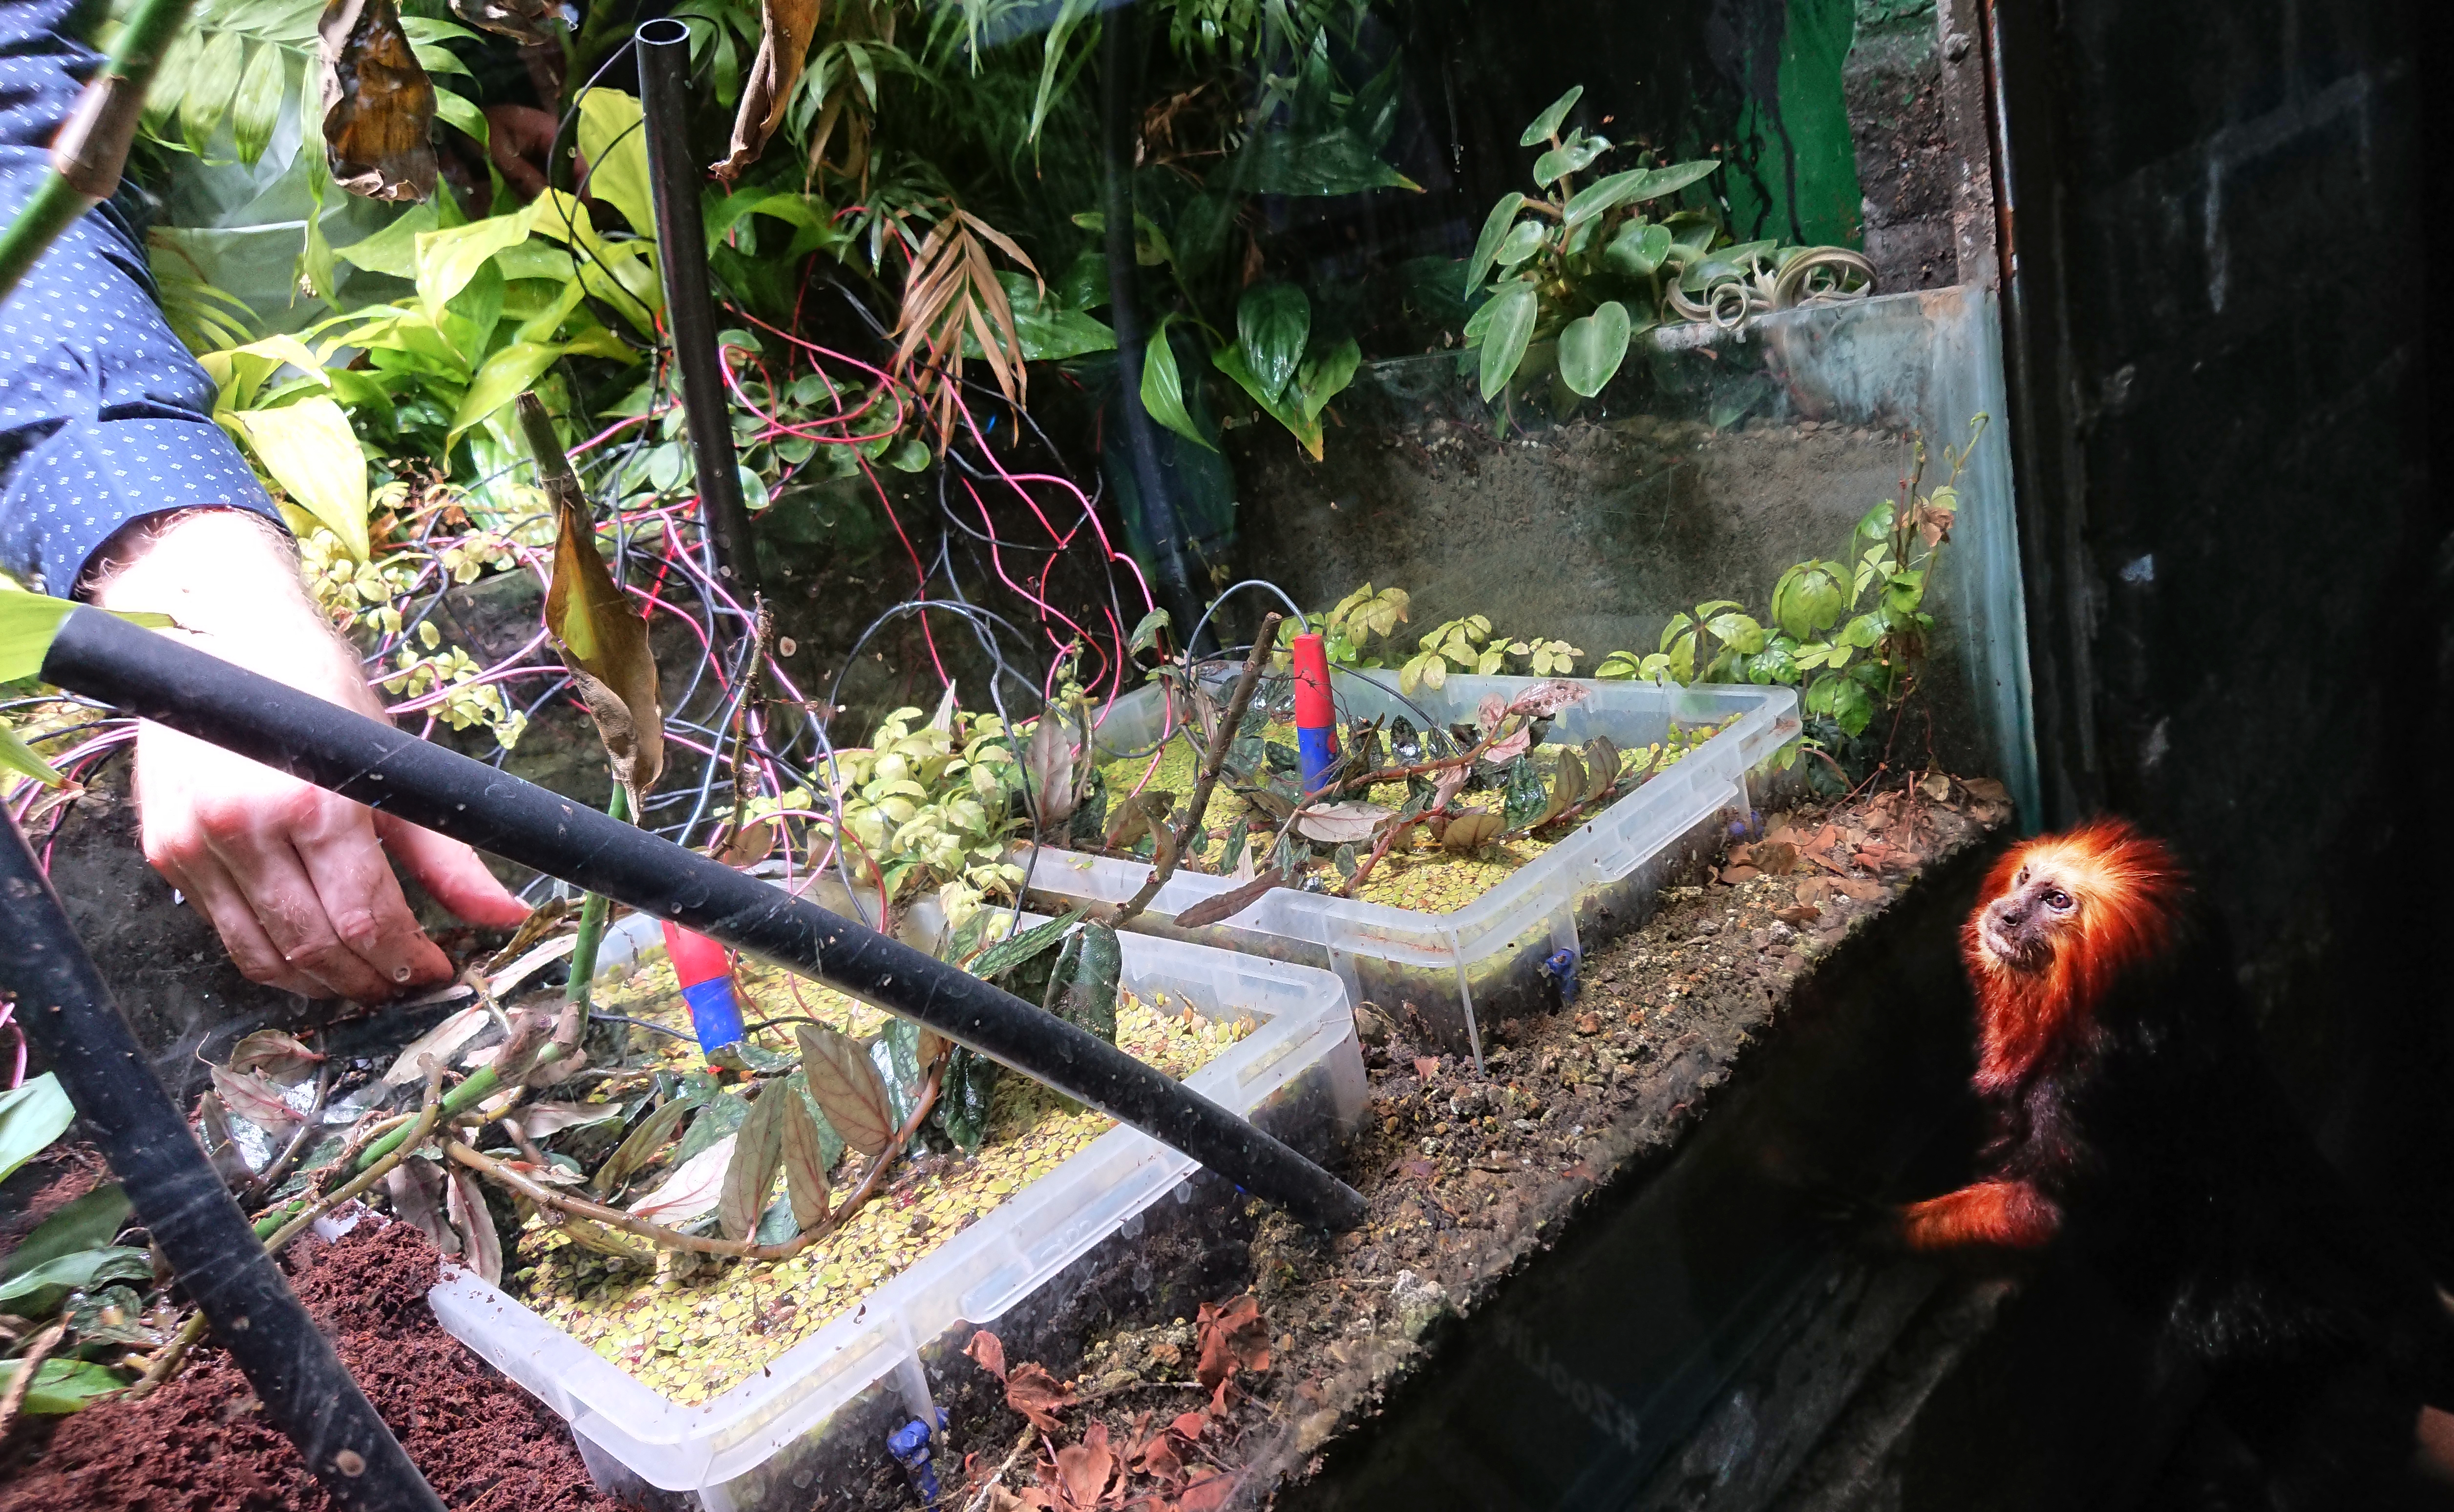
{"x": 542, "y": 920}
{"x": 1233, "y": 1336}
{"x": 1048, "y": 761}
{"x": 1471, "y": 831}
{"x": 757, "y": 1149}
{"x": 644, "y": 1142}
{"x": 848, "y": 1087}
{"x": 1547, "y": 697}
{"x": 279, "y": 1057}
{"x": 1038, "y": 1396}
{"x": 227, "y": 1161}
{"x": 602, "y": 639}
{"x": 805, "y": 1164}
{"x": 1084, "y": 1469}
{"x": 988, "y": 1351}
{"x": 248, "y": 1095}
{"x": 522, "y": 20}
{"x": 415, "y": 1187}
{"x": 784, "y": 31}
{"x": 1776, "y": 858}
{"x": 378, "y": 105}
{"x": 1567, "y": 788}
{"x": 480, "y": 1246}
{"x": 1228, "y": 904}
{"x": 751, "y": 844}
{"x": 540, "y": 1121}
{"x": 1144, "y": 813}
{"x": 1342, "y": 823}
{"x": 692, "y": 1189}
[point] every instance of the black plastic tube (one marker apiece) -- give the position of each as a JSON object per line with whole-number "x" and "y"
{"x": 68, "y": 1015}
{"x": 152, "y": 675}
{"x": 663, "y": 48}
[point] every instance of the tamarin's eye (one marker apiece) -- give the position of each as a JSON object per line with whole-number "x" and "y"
{"x": 2022, "y": 878}
{"x": 2057, "y": 900}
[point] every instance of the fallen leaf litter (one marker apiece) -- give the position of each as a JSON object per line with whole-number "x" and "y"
{"x": 1418, "y": 875}
{"x": 694, "y": 1338}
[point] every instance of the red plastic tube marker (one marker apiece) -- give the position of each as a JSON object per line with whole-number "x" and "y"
{"x": 705, "y": 969}
{"x": 1316, "y": 716}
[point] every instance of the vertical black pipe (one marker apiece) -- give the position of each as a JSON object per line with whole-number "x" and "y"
{"x": 663, "y": 48}
{"x": 1162, "y": 525}
{"x": 68, "y": 1015}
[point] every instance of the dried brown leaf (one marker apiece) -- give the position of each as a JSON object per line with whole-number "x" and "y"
{"x": 805, "y": 1165}
{"x": 219, "y": 1148}
{"x": 1776, "y": 858}
{"x": 1048, "y": 761}
{"x": 1548, "y": 696}
{"x": 1471, "y": 831}
{"x": 1084, "y": 1469}
{"x": 541, "y": 1121}
{"x": 988, "y": 1351}
{"x": 1233, "y": 1336}
{"x": 848, "y": 1087}
{"x": 785, "y": 27}
{"x": 1038, "y": 1396}
{"x": 279, "y": 1057}
{"x": 757, "y": 1150}
{"x": 1227, "y": 906}
{"x": 1601, "y": 765}
{"x": 1143, "y": 813}
{"x": 480, "y": 1246}
{"x": 415, "y": 1187}
{"x": 378, "y": 105}
{"x": 1207, "y": 1493}
{"x": 602, "y": 639}
{"x": 1342, "y": 823}
{"x": 251, "y": 1096}
{"x": 751, "y": 844}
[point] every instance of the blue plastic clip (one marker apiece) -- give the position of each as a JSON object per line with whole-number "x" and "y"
{"x": 910, "y": 1445}
{"x": 1560, "y": 968}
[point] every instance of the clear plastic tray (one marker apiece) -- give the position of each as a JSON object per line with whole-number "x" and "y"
{"x": 819, "y": 1412}
{"x": 1485, "y": 962}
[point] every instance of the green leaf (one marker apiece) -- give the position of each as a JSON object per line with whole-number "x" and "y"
{"x": 616, "y": 151}
{"x": 1285, "y": 407}
{"x": 1486, "y": 247}
{"x": 257, "y": 104}
{"x": 963, "y": 1097}
{"x": 1523, "y": 240}
{"x": 457, "y": 110}
{"x": 1505, "y": 336}
{"x": 1323, "y": 378}
{"x": 35, "y": 1115}
{"x": 1163, "y": 386}
{"x": 505, "y": 376}
{"x": 392, "y": 249}
{"x": 1069, "y": 15}
{"x": 89, "y": 1222}
{"x": 1336, "y": 161}
{"x": 312, "y": 454}
{"x": 1274, "y": 321}
{"x": 61, "y": 1385}
{"x": 449, "y": 259}
{"x": 1677, "y": 177}
{"x": 1573, "y": 157}
{"x": 1739, "y": 632}
{"x": 1145, "y": 635}
{"x": 1591, "y": 348}
{"x": 1047, "y": 330}
{"x": 36, "y": 1290}
{"x": 1807, "y": 598}
{"x": 1877, "y": 523}
{"x": 16, "y": 755}
{"x": 1638, "y": 250}
{"x": 1549, "y": 120}
{"x": 210, "y": 89}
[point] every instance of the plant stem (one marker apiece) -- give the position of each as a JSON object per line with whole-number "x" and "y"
{"x": 592, "y": 918}
{"x": 1220, "y": 740}
{"x": 409, "y": 1138}
{"x": 457, "y": 1102}
{"x": 28, "y": 1363}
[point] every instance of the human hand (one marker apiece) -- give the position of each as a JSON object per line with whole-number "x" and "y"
{"x": 519, "y": 140}
{"x": 294, "y": 879}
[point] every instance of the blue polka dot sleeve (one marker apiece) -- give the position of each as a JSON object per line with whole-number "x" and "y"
{"x": 104, "y": 417}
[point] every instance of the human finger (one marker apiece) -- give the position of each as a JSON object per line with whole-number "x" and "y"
{"x": 451, "y": 874}
{"x": 265, "y": 868}
{"x": 209, "y": 891}
{"x": 362, "y": 900}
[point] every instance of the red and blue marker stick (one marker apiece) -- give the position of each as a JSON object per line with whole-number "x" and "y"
{"x": 706, "y": 973}
{"x": 1315, "y": 716}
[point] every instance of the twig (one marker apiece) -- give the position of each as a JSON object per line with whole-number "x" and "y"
{"x": 431, "y": 1111}
{"x": 1388, "y": 834}
{"x": 27, "y": 1363}
{"x": 171, "y": 1357}
{"x": 1220, "y": 740}
{"x": 994, "y": 1482}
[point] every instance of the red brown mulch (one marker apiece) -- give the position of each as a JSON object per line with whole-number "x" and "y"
{"x": 202, "y": 1444}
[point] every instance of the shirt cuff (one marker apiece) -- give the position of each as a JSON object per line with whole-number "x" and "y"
{"x": 72, "y": 491}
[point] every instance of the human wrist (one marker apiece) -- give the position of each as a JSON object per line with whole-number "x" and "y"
{"x": 231, "y": 579}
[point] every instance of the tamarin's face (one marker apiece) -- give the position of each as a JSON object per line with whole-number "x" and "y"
{"x": 2023, "y": 928}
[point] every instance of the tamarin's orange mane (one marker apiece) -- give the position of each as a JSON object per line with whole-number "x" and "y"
{"x": 2130, "y": 890}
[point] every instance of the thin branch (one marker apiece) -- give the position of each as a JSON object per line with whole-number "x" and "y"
{"x": 27, "y": 1363}
{"x": 1220, "y": 740}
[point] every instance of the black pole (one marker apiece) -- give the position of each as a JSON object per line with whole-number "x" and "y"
{"x": 152, "y": 677}
{"x": 663, "y": 48}
{"x": 1162, "y": 525}
{"x": 68, "y": 1015}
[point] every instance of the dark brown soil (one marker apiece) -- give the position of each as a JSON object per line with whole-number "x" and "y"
{"x": 202, "y": 1445}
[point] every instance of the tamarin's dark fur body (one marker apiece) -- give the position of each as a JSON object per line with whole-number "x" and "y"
{"x": 2136, "y": 1124}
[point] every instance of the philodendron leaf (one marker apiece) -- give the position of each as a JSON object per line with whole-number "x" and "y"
{"x": 89, "y": 1222}
{"x": 602, "y": 639}
{"x": 642, "y": 1145}
{"x": 1146, "y": 634}
{"x": 60, "y": 1386}
{"x": 1163, "y": 386}
{"x": 1486, "y": 247}
{"x": 311, "y": 450}
{"x": 1505, "y": 336}
{"x": 1549, "y": 120}
{"x": 1592, "y": 347}
{"x": 847, "y": 1086}
{"x": 480, "y": 1246}
{"x": 757, "y": 1150}
{"x": 378, "y": 105}
{"x": 1273, "y": 322}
